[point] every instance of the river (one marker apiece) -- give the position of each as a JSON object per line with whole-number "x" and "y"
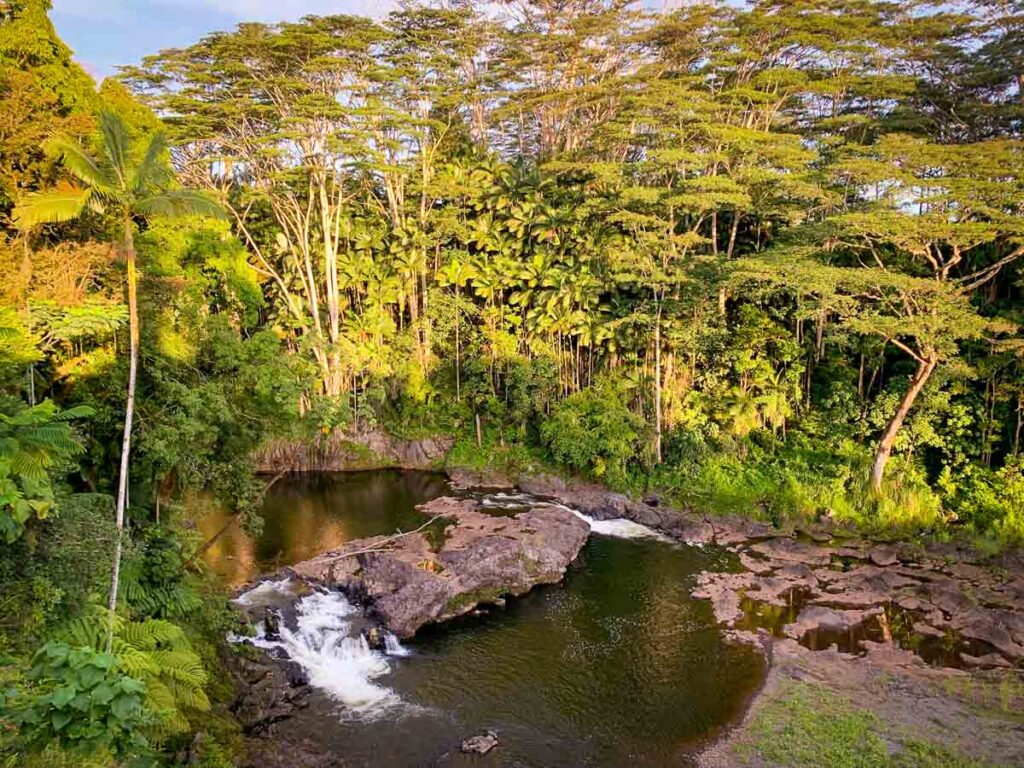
{"x": 616, "y": 666}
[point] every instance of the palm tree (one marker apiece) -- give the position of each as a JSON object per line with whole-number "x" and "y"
{"x": 126, "y": 186}
{"x": 457, "y": 273}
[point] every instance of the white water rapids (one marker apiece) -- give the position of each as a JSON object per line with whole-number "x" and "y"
{"x": 336, "y": 658}
{"x": 620, "y": 528}
{"x": 334, "y": 655}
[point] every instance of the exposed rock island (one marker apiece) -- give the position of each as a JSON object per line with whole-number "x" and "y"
{"x": 422, "y": 577}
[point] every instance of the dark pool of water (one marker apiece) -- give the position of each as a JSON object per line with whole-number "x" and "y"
{"x": 616, "y": 666}
{"x": 304, "y": 515}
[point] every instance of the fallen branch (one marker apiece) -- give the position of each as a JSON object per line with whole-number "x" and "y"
{"x": 234, "y": 519}
{"x": 381, "y": 546}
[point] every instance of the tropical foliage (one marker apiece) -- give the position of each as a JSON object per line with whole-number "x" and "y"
{"x": 761, "y": 259}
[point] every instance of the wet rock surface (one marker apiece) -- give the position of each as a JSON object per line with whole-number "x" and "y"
{"x": 823, "y": 585}
{"x": 480, "y": 744}
{"x": 406, "y": 582}
{"x": 267, "y": 691}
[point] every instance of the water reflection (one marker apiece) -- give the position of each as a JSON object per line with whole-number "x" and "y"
{"x": 617, "y": 666}
{"x": 305, "y": 515}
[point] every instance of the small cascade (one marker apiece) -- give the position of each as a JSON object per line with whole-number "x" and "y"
{"x": 620, "y": 528}
{"x": 324, "y": 642}
{"x": 394, "y": 648}
{"x": 502, "y": 499}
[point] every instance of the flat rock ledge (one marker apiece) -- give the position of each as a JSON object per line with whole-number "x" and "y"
{"x": 406, "y": 583}
{"x": 823, "y": 580}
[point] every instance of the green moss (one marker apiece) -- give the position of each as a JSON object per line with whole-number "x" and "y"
{"x": 465, "y": 601}
{"x": 359, "y": 456}
{"x": 435, "y": 533}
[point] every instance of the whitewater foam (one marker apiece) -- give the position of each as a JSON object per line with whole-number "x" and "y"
{"x": 324, "y": 643}
{"x": 620, "y": 528}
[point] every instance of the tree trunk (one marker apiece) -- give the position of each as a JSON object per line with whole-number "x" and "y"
{"x": 458, "y": 362}
{"x": 657, "y": 386}
{"x": 1020, "y": 428}
{"x": 924, "y": 371}
{"x": 732, "y": 234}
{"x": 122, "y": 484}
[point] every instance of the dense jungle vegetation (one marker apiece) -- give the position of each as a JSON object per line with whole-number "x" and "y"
{"x": 763, "y": 260}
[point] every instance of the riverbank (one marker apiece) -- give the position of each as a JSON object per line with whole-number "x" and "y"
{"x": 845, "y": 620}
{"x": 917, "y": 649}
{"x": 588, "y": 671}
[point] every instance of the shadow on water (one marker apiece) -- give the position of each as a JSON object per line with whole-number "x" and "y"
{"x": 616, "y": 666}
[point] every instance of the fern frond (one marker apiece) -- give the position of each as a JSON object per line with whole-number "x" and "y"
{"x": 181, "y": 666}
{"x": 188, "y": 696}
{"x": 136, "y": 663}
{"x": 154, "y": 633}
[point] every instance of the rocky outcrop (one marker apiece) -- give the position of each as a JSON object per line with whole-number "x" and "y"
{"x": 463, "y": 479}
{"x": 342, "y": 451}
{"x": 828, "y": 580}
{"x": 480, "y": 744}
{"x": 406, "y": 582}
{"x": 267, "y": 690}
{"x": 854, "y": 591}
{"x": 598, "y": 502}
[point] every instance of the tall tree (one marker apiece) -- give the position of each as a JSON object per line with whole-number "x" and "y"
{"x": 126, "y": 185}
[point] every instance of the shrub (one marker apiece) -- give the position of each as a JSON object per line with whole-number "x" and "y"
{"x": 990, "y": 502}
{"x": 594, "y": 431}
{"x": 82, "y": 703}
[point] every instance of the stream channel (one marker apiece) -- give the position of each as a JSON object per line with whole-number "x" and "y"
{"x": 616, "y": 666}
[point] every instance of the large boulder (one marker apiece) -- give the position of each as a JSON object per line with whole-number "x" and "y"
{"x": 406, "y": 582}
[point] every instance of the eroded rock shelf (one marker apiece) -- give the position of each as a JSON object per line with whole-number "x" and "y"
{"x": 409, "y": 581}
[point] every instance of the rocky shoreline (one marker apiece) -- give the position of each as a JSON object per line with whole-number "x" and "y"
{"x": 931, "y": 636}
{"x": 827, "y": 582}
{"x": 811, "y": 599}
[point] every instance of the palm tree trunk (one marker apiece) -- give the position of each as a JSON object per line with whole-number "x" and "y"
{"x": 657, "y": 386}
{"x": 924, "y": 371}
{"x": 122, "y": 486}
{"x": 458, "y": 362}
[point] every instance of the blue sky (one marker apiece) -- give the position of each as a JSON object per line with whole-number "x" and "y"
{"x": 106, "y": 33}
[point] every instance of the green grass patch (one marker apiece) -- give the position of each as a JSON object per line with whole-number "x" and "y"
{"x": 807, "y": 727}
{"x": 921, "y": 754}
{"x": 511, "y": 459}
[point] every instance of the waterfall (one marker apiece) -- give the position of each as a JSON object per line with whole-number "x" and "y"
{"x": 620, "y": 528}
{"x": 327, "y": 646}
{"x": 392, "y": 647}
